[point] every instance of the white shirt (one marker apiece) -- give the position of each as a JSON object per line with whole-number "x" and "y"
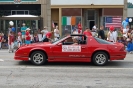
{"x": 95, "y": 27}
{"x": 115, "y": 35}
{"x": 19, "y": 38}
{"x": 44, "y": 32}
{"x": 40, "y": 37}
{"x": 111, "y": 37}
{"x": 125, "y": 31}
{"x": 75, "y": 32}
{"x": 56, "y": 33}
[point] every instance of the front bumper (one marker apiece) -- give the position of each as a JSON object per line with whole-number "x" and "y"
{"x": 21, "y": 58}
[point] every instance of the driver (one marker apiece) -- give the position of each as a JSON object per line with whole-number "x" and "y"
{"x": 75, "y": 41}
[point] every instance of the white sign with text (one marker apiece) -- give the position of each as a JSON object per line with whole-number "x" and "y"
{"x": 71, "y": 48}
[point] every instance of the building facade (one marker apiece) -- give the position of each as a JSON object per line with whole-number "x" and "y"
{"x": 130, "y": 13}
{"x": 68, "y": 13}
{"x": 65, "y": 13}
{"x": 39, "y": 8}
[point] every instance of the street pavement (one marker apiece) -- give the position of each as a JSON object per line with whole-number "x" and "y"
{"x": 20, "y": 74}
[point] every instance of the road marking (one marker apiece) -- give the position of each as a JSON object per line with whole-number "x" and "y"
{"x": 69, "y": 68}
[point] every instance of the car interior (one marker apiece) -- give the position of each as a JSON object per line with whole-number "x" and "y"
{"x": 69, "y": 41}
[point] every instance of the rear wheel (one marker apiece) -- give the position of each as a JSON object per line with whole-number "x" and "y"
{"x": 38, "y": 58}
{"x": 100, "y": 58}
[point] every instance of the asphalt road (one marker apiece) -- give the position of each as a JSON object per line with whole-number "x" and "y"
{"x": 20, "y": 74}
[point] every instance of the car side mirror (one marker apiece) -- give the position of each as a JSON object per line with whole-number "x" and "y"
{"x": 59, "y": 44}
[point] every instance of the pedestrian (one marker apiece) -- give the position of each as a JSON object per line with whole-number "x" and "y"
{"x": 129, "y": 48}
{"x": 23, "y": 30}
{"x": 101, "y": 33}
{"x": 56, "y": 34}
{"x": 131, "y": 35}
{"x": 48, "y": 37}
{"x": 36, "y": 38}
{"x": 94, "y": 28}
{"x": 19, "y": 39}
{"x": 27, "y": 36}
{"x": 79, "y": 28}
{"x": 87, "y": 32}
{"x": 1, "y": 39}
{"x": 75, "y": 32}
{"x": 125, "y": 32}
{"x": 44, "y": 31}
{"x": 9, "y": 29}
{"x": 115, "y": 35}
{"x": 110, "y": 36}
{"x": 11, "y": 42}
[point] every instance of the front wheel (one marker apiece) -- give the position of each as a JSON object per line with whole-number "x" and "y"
{"x": 38, "y": 58}
{"x": 100, "y": 58}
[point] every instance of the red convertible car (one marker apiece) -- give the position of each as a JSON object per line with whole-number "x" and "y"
{"x": 67, "y": 49}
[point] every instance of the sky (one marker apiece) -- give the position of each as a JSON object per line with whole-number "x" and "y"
{"x": 130, "y": 1}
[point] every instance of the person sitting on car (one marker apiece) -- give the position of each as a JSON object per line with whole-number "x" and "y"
{"x": 47, "y": 37}
{"x": 75, "y": 41}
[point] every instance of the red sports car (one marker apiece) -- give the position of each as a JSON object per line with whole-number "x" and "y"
{"x": 73, "y": 48}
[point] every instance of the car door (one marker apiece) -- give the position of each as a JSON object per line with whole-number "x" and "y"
{"x": 69, "y": 52}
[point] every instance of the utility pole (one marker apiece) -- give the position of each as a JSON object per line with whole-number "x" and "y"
{"x": 125, "y": 9}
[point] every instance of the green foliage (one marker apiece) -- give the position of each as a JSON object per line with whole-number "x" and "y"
{"x": 129, "y": 5}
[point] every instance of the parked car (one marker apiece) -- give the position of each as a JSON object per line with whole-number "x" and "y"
{"x": 88, "y": 49}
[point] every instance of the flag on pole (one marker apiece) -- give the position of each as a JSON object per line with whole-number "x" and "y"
{"x": 53, "y": 25}
{"x": 69, "y": 20}
{"x": 113, "y": 21}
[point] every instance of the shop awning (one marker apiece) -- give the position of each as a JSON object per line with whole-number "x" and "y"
{"x": 20, "y": 17}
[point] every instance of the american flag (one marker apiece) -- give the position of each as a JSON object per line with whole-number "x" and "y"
{"x": 113, "y": 21}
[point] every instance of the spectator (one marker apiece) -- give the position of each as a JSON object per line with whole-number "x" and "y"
{"x": 101, "y": 33}
{"x": 19, "y": 39}
{"x": 47, "y": 37}
{"x": 120, "y": 40}
{"x": 27, "y": 37}
{"x": 79, "y": 28}
{"x": 94, "y": 28}
{"x": 36, "y": 38}
{"x": 39, "y": 35}
{"x": 56, "y": 34}
{"x": 132, "y": 36}
{"x": 115, "y": 35}
{"x": 44, "y": 31}
{"x": 11, "y": 42}
{"x": 124, "y": 41}
{"x": 110, "y": 36}
{"x": 125, "y": 32}
{"x": 23, "y": 30}
{"x": 1, "y": 38}
{"x": 129, "y": 46}
{"x": 87, "y": 32}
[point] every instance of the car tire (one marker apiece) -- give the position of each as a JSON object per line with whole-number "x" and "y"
{"x": 38, "y": 58}
{"x": 100, "y": 58}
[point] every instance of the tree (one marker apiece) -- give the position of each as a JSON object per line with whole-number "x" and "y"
{"x": 129, "y": 5}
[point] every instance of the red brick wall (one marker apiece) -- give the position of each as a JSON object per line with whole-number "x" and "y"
{"x": 113, "y": 12}
{"x": 71, "y": 12}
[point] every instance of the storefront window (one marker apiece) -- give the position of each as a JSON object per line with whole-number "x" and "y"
{"x": 69, "y": 23}
{"x": 70, "y": 19}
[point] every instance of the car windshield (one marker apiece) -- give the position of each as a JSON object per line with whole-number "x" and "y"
{"x": 55, "y": 42}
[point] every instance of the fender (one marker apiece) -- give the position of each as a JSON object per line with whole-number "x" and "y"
{"x": 38, "y": 48}
{"x": 100, "y": 49}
